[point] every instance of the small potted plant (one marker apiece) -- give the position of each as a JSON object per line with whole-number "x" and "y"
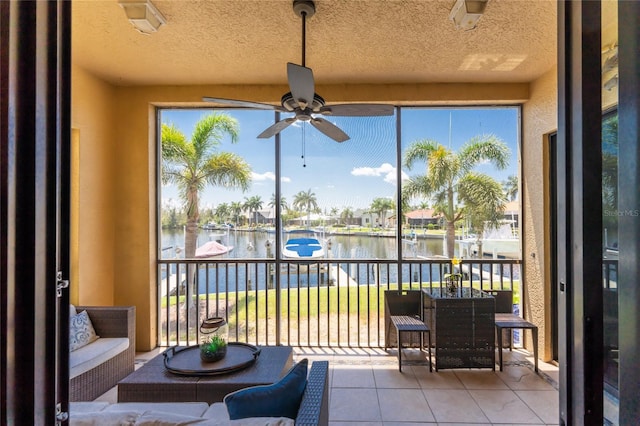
{"x": 213, "y": 346}
{"x": 453, "y": 280}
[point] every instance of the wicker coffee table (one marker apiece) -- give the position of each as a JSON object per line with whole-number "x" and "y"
{"x": 153, "y": 383}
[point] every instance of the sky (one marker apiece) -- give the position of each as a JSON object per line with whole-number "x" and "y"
{"x": 349, "y": 174}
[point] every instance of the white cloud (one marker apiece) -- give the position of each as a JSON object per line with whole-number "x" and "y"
{"x": 258, "y": 177}
{"x": 386, "y": 171}
{"x": 261, "y": 177}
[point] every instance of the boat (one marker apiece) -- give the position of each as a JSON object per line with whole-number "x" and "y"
{"x": 212, "y": 249}
{"x": 303, "y": 248}
{"x": 501, "y": 241}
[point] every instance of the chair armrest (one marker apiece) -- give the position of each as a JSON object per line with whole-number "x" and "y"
{"x": 314, "y": 408}
{"x": 112, "y": 321}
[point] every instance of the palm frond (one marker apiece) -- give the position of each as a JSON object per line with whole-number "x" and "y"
{"x": 442, "y": 167}
{"x": 209, "y": 132}
{"x": 483, "y": 198}
{"x": 228, "y": 170}
{"x": 484, "y": 148}
{"x": 174, "y": 144}
{"x": 417, "y": 186}
{"x": 419, "y": 150}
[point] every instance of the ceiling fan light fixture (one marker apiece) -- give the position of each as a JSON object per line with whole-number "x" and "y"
{"x": 143, "y": 15}
{"x": 465, "y": 14}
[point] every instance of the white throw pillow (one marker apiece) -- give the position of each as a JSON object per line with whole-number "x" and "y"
{"x": 81, "y": 331}
{"x": 72, "y": 311}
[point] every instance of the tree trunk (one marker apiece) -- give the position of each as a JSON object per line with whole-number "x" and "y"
{"x": 190, "y": 239}
{"x": 451, "y": 239}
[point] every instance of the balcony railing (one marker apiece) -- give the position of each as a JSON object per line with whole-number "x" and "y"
{"x": 329, "y": 303}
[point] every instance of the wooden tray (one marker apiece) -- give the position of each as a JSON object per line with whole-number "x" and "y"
{"x": 186, "y": 360}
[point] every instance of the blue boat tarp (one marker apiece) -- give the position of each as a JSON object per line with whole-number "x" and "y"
{"x": 303, "y": 247}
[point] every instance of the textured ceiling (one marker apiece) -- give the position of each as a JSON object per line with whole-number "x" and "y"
{"x": 348, "y": 42}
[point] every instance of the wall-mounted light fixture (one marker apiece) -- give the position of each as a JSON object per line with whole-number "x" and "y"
{"x": 466, "y": 13}
{"x": 143, "y": 15}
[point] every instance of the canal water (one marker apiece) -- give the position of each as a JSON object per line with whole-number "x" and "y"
{"x": 254, "y": 245}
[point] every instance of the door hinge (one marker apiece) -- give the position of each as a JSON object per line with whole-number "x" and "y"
{"x": 60, "y": 284}
{"x": 61, "y": 416}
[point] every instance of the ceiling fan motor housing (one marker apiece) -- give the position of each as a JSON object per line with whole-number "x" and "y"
{"x": 290, "y": 104}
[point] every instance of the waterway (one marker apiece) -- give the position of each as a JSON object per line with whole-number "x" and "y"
{"x": 253, "y": 245}
{"x": 240, "y": 275}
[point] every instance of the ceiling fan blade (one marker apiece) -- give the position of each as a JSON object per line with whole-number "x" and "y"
{"x": 301, "y": 84}
{"x": 243, "y": 104}
{"x": 277, "y": 128}
{"x": 329, "y": 129}
{"x": 357, "y": 110}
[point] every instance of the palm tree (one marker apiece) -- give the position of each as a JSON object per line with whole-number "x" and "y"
{"x": 510, "y": 187}
{"x": 380, "y": 206}
{"x": 273, "y": 204}
{"x": 346, "y": 215}
{"x": 222, "y": 212}
{"x": 447, "y": 172}
{"x": 236, "y": 210}
{"x": 306, "y": 200}
{"x": 333, "y": 214}
{"x": 193, "y": 164}
{"x": 283, "y": 203}
{"x": 253, "y": 204}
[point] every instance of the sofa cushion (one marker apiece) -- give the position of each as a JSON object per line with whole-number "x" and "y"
{"x": 281, "y": 399}
{"x": 162, "y": 418}
{"x": 195, "y": 409}
{"x": 87, "y": 406}
{"x": 94, "y": 413}
{"x": 263, "y": 421}
{"x": 81, "y": 331}
{"x": 217, "y": 411}
{"x": 90, "y": 356}
{"x": 102, "y": 418}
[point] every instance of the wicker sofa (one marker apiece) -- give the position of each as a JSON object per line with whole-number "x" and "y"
{"x": 97, "y": 367}
{"x": 313, "y": 409}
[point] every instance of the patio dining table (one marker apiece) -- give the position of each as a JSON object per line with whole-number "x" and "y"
{"x": 462, "y": 326}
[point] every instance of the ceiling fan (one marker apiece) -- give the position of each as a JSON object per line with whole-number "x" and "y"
{"x": 302, "y": 100}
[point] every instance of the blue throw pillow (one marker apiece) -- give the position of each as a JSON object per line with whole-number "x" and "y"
{"x": 281, "y": 399}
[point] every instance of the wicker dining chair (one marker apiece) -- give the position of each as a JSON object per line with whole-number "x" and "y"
{"x": 403, "y": 310}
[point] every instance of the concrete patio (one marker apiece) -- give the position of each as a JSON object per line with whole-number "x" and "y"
{"x": 366, "y": 388}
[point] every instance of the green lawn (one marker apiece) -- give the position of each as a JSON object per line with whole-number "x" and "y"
{"x": 306, "y": 301}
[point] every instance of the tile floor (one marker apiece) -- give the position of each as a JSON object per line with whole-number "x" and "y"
{"x": 366, "y": 388}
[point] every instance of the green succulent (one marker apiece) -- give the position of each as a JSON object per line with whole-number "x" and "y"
{"x": 213, "y": 344}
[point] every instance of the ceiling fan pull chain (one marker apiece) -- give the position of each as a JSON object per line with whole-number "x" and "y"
{"x": 304, "y": 146}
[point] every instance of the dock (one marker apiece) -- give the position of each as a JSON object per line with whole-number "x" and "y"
{"x": 338, "y": 275}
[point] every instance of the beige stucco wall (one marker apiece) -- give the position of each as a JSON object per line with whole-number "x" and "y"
{"x": 118, "y": 123}
{"x": 93, "y": 222}
{"x": 539, "y": 118}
